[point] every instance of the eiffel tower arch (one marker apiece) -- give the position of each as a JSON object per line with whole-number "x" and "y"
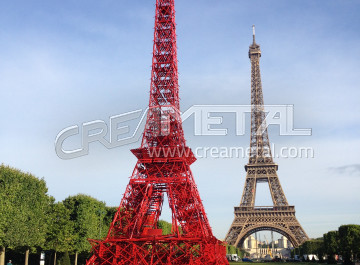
{"x": 279, "y": 217}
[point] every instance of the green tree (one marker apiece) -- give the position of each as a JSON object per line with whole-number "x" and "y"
{"x": 59, "y": 235}
{"x": 24, "y": 205}
{"x": 87, "y": 215}
{"x": 109, "y": 216}
{"x": 4, "y": 209}
{"x": 318, "y": 246}
{"x": 349, "y": 242}
{"x": 315, "y": 246}
{"x": 331, "y": 245}
{"x": 65, "y": 259}
{"x": 165, "y": 226}
{"x": 230, "y": 249}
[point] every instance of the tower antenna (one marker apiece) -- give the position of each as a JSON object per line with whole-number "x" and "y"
{"x": 253, "y": 28}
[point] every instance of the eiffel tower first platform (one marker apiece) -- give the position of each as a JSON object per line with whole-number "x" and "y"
{"x": 261, "y": 168}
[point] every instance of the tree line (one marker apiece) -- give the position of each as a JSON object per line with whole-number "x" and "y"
{"x": 31, "y": 221}
{"x": 344, "y": 242}
{"x": 234, "y": 250}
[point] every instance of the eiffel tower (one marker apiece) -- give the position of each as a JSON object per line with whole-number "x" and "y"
{"x": 163, "y": 167}
{"x": 261, "y": 168}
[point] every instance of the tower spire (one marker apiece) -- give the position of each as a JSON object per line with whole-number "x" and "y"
{"x": 253, "y": 28}
{"x": 260, "y": 151}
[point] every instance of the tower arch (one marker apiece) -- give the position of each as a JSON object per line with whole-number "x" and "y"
{"x": 258, "y": 228}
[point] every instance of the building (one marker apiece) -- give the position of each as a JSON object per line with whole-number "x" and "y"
{"x": 263, "y": 250}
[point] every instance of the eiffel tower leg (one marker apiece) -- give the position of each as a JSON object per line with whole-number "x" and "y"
{"x": 248, "y": 197}
{"x": 276, "y": 190}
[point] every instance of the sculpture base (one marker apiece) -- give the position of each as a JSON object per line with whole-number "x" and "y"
{"x": 149, "y": 250}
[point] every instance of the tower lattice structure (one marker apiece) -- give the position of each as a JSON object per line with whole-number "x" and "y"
{"x": 163, "y": 166}
{"x": 280, "y": 217}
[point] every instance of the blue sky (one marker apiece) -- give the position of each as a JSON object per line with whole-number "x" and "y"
{"x": 63, "y": 63}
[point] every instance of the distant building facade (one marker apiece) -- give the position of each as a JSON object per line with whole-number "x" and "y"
{"x": 263, "y": 250}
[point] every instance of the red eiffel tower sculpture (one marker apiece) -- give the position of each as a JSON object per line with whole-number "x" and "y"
{"x": 163, "y": 166}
